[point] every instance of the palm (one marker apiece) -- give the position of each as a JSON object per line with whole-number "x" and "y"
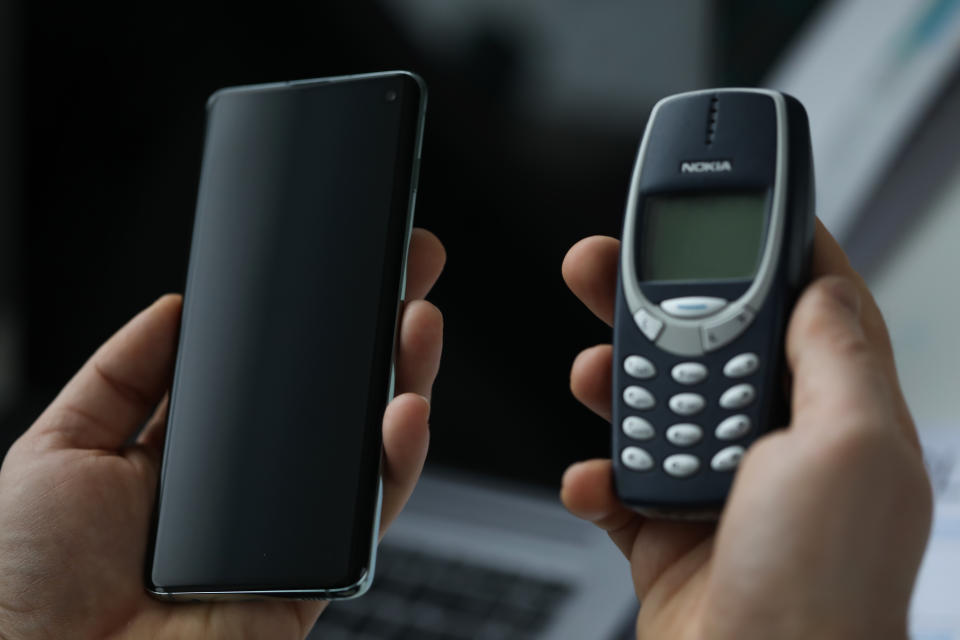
{"x": 93, "y": 576}
{"x": 75, "y": 502}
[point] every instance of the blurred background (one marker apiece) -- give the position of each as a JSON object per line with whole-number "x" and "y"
{"x": 534, "y": 116}
{"x": 535, "y": 113}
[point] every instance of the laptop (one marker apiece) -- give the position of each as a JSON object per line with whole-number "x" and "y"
{"x": 475, "y": 558}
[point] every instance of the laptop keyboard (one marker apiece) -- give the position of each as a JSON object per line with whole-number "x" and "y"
{"x": 416, "y": 596}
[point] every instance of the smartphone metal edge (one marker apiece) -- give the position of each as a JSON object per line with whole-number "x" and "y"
{"x": 362, "y": 585}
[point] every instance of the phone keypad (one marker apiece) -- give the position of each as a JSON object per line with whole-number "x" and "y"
{"x": 723, "y": 454}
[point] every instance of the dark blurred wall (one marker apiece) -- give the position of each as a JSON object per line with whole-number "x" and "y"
{"x": 10, "y": 320}
{"x": 751, "y": 33}
{"x": 111, "y": 126}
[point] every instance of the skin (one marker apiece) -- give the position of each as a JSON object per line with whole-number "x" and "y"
{"x": 76, "y": 502}
{"x": 825, "y": 527}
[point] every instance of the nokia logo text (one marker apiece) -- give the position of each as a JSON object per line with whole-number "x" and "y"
{"x": 709, "y": 166}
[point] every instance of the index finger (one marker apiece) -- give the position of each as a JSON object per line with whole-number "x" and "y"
{"x": 590, "y": 270}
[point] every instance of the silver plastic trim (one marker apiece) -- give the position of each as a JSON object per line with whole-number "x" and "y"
{"x": 683, "y": 337}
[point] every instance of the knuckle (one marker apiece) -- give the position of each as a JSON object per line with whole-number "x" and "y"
{"x": 851, "y": 346}
{"x": 818, "y": 324}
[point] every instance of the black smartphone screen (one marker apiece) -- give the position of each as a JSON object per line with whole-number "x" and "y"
{"x": 271, "y": 466}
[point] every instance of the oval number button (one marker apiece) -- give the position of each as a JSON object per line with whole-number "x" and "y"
{"x": 637, "y": 428}
{"x": 727, "y": 459}
{"x": 738, "y": 397}
{"x": 684, "y": 435}
{"x": 637, "y": 459}
{"x": 681, "y": 465}
{"x": 687, "y": 404}
{"x": 741, "y": 365}
{"x": 638, "y": 398}
{"x": 689, "y": 372}
{"x": 733, "y": 427}
{"x": 639, "y": 367}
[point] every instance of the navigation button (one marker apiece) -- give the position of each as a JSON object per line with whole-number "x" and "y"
{"x": 721, "y": 333}
{"x": 692, "y": 306}
{"x": 650, "y": 326}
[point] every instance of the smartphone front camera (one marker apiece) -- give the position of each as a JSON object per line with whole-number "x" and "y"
{"x": 391, "y": 95}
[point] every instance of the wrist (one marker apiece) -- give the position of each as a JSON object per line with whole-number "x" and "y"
{"x": 806, "y": 625}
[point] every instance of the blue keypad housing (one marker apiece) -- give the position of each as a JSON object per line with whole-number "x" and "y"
{"x": 672, "y": 486}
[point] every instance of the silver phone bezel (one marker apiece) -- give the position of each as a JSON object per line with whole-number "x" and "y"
{"x": 683, "y": 337}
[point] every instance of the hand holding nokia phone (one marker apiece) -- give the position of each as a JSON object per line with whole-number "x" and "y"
{"x": 716, "y": 247}
{"x": 270, "y": 484}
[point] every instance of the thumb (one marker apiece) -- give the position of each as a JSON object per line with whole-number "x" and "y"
{"x": 838, "y": 374}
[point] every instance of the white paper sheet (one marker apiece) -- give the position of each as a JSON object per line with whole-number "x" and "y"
{"x": 935, "y": 610}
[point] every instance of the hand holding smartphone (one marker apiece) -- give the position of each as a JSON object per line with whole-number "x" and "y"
{"x": 270, "y": 483}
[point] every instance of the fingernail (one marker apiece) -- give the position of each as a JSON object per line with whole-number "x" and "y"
{"x": 844, "y": 292}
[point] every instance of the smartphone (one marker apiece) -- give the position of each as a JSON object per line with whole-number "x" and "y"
{"x": 716, "y": 247}
{"x": 270, "y": 483}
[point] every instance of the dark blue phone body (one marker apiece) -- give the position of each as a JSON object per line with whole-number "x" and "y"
{"x": 715, "y": 250}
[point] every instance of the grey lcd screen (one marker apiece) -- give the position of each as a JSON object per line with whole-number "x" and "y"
{"x": 713, "y": 236}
